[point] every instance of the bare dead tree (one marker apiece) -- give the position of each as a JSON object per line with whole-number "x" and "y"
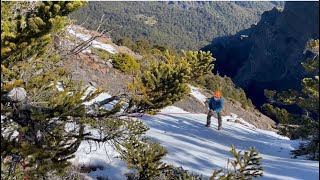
{"x": 84, "y": 21}
{"x": 82, "y": 45}
{"x": 85, "y": 44}
{"x": 101, "y": 22}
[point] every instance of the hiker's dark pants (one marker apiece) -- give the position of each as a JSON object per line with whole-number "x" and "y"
{"x": 219, "y": 119}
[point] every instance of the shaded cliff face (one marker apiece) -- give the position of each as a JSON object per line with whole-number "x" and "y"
{"x": 278, "y": 42}
{"x": 270, "y": 57}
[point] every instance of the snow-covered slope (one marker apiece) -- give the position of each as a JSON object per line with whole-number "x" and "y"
{"x": 201, "y": 150}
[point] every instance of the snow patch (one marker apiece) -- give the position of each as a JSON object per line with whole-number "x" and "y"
{"x": 99, "y": 98}
{"x": 172, "y": 109}
{"x": 101, "y": 154}
{"x": 95, "y": 44}
{"x": 3, "y": 118}
{"x": 197, "y": 94}
{"x": 59, "y": 86}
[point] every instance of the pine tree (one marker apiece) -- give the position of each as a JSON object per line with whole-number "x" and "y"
{"x": 244, "y": 167}
{"x": 26, "y": 27}
{"x": 201, "y": 63}
{"x": 143, "y": 156}
{"x": 142, "y": 46}
{"x": 161, "y": 83}
{"x": 164, "y": 78}
{"x": 125, "y": 63}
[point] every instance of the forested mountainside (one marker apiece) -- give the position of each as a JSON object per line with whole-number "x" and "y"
{"x": 175, "y": 24}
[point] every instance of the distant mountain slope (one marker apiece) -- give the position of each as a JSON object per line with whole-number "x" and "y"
{"x": 180, "y": 25}
{"x": 269, "y": 54}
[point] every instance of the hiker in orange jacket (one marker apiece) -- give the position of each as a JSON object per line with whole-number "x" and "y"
{"x": 215, "y": 105}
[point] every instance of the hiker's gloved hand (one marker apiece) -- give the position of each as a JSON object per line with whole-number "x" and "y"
{"x": 211, "y": 112}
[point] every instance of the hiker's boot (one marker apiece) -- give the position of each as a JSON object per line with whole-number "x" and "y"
{"x": 207, "y": 125}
